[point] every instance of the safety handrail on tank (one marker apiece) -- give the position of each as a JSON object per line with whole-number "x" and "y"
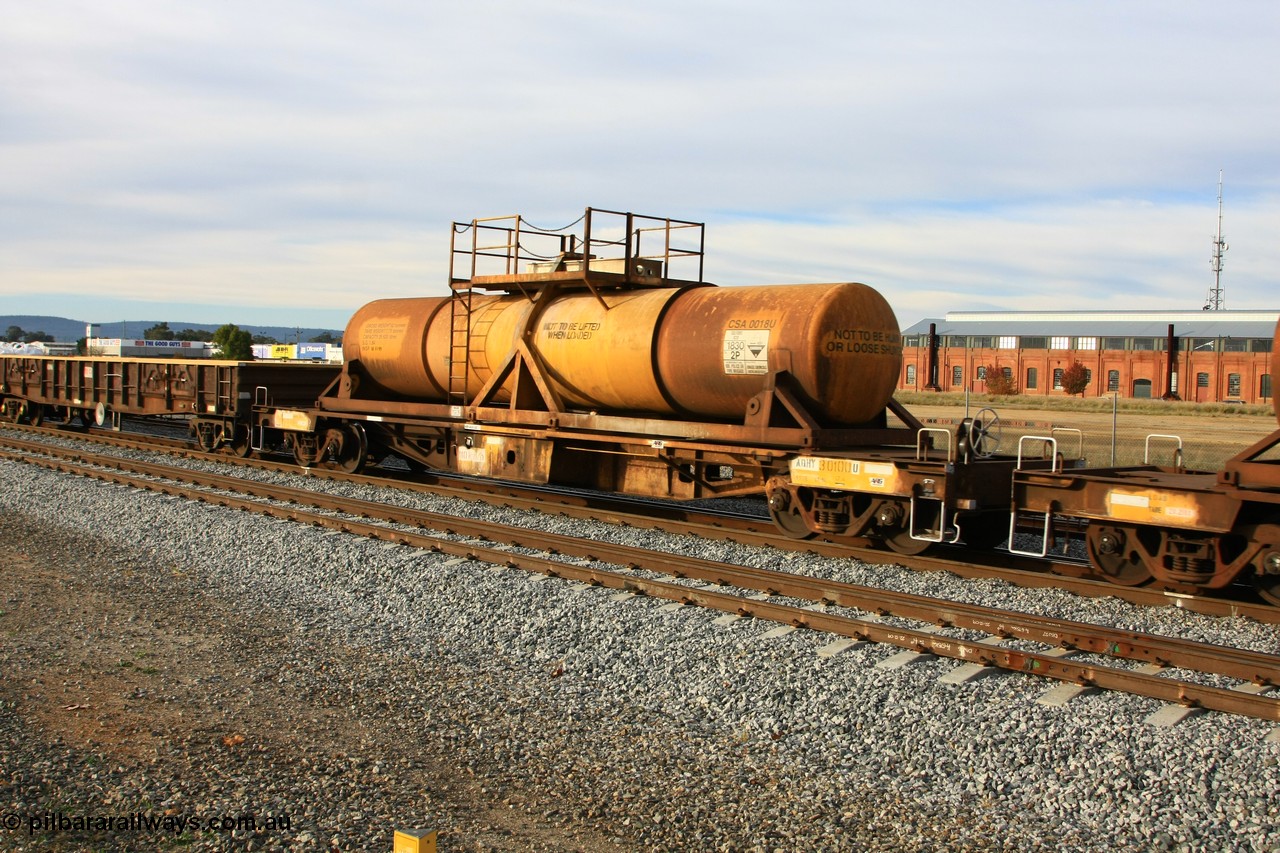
{"x": 507, "y": 253}
{"x": 922, "y": 447}
{"x": 1177, "y": 452}
{"x": 611, "y": 245}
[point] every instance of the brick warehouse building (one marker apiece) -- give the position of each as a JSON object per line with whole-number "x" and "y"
{"x": 1218, "y": 355}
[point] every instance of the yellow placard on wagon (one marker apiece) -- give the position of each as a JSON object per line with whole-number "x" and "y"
{"x": 1150, "y": 506}
{"x": 853, "y": 474}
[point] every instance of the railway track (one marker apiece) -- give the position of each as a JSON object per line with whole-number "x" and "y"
{"x": 718, "y": 525}
{"x": 981, "y": 638}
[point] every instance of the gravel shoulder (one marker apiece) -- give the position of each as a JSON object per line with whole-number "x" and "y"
{"x": 131, "y": 684}
{"x": 183, "y": 660}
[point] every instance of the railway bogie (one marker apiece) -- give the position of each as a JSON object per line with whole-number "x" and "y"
{"x": 1189, "y": 531}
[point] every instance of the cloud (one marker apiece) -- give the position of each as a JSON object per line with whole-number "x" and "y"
{"x": 270, "y": 156}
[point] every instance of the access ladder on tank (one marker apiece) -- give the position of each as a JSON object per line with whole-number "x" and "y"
{"x": 507, "y": 254}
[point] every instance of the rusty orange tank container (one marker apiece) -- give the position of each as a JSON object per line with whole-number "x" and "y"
{"x": 700, "y": 352}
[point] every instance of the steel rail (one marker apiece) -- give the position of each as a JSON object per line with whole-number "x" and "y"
{"x": 674, "y": 518}
{"x": 1258, "y": 667}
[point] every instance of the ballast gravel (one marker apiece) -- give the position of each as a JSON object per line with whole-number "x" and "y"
{"x": 172, "y": 658}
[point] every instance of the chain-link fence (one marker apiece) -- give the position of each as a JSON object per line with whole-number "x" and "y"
{"x": 1106, "y": 433}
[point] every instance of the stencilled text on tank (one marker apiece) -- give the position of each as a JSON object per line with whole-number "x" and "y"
{"x": 564, "y": 331}
{"x": 753, "y": 323}
{"x": 383, "y": 337}
{"x": 746, "y": 351}
{"x": 862, "y": 342}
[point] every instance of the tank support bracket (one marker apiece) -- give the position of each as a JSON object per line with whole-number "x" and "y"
{"x": 531, "y": 386}
{"x": 778, "y": 400}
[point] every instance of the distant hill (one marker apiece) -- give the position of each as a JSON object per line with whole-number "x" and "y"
{"x": 64, "y": 329}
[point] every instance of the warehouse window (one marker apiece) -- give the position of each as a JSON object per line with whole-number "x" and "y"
{"x": 1007, "y": 342}
{"x": 1142, "y": 389}
{"x": 1264, "y": 386}
{"x": 1035, "y": 342}
{"x": 1086, "y": 343}
{"x": 1062, "y": 342}
{"x": 1260, "y": 345}
{"x": 955, "y": 341}
{"x": 1032, "y": 377}
{"x": 911, "y": 374}
{"x": 1235, "y": 344}
{"x": 1057, "y": 379}
{"x": 1114, "y": 343}
{"x": 981, "y": 342}
{"x": 914, "y": 340}
{"x": 1202, "y": 380}
{"x": 1113, "y": 380}
{"x": 1233, "y": 385}
{"x": 982, "y": 373}
{"x": 1144, "y": 343}
{"x": 1197, "y": 345}
{"x": 957, "y": 375}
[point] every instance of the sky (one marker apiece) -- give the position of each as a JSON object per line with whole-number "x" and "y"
{"x": 285, "y": 162}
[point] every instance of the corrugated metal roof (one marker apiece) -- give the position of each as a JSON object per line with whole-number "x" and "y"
{"x": 1138, "y": 324}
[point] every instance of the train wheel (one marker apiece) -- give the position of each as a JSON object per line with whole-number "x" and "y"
{"x": 893, "y": 526}
{"x": 88, "y": 418}
{"x": 353, "y": 449}
{"x": 785, "y": 512}
{"x": 1268, "y": 584}
{"x": 35, "y": 414}
{"x": 1268, "y": 587}
{"x": 900, "y": 542}
{"x": 1113, "y": 552}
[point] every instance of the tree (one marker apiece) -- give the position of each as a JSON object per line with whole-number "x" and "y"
{"x": 193, "y": 335}
{"x": 1075, "y": 379}
{"x": 32, "y": 337}
{"x": 158, "y": 332}
{"x": 233, "y": 342}
{"x": 14, "y": 334}
{"x": 264, "y": 339}
{"x": 1000, "y": 381}
{"x": 325, "y": 338}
